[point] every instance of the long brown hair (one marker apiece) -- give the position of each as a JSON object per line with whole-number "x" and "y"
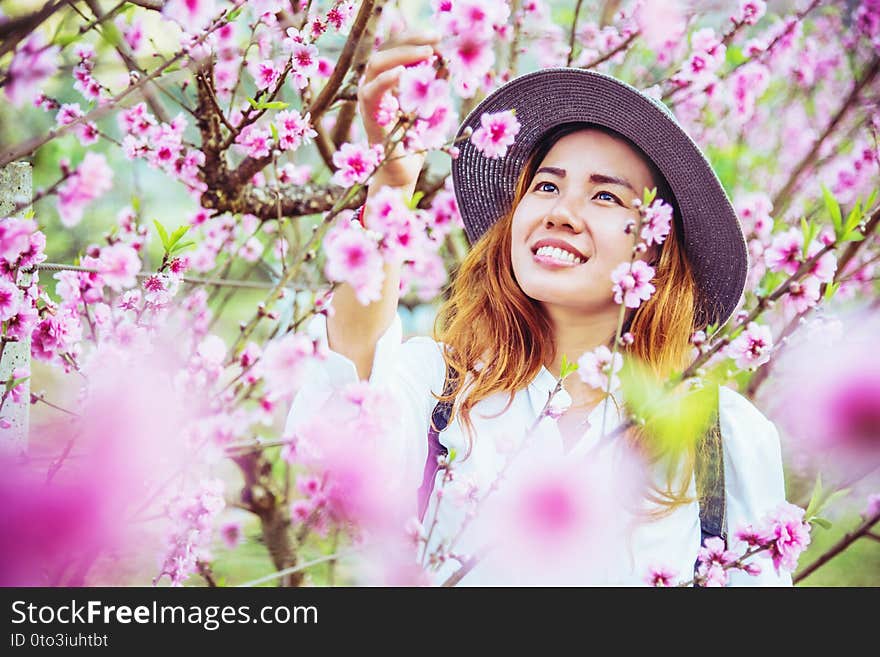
{"x": 487, "y": 314}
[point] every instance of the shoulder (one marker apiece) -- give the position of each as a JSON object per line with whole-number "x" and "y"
{"x": 422, "y": 358}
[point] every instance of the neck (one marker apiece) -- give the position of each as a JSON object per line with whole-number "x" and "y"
{"x": 576, "y": 332}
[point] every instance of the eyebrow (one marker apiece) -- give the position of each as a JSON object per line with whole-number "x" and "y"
{"x": 600, "y": 178}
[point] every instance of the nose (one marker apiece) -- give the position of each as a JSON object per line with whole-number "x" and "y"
{"x": 562, "y": 216}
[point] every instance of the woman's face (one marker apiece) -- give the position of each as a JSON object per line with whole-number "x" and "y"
{"x": 580, "y": 199}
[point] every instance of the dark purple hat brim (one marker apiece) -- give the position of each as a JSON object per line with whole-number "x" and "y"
{"x": 712, "y": 236}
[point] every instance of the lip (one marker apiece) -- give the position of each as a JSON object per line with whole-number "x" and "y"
{"x": 559, "y": 244}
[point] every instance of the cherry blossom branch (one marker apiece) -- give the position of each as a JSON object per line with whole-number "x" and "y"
{"x": 851, "y": 251}
{"x": 125, "y": 54}
{"x": 328, "y": 93}
{"x": 572, "y": 32}
{"x": 782, "y": 199}
{"x": 25, "y": 148}
{"x": 757, "y": 58}
{"x": 840, "y": 546}
{"x": 15, "y": 29}
{"x": 604, "y": 58}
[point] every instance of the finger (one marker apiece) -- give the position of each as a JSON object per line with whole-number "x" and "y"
{"x": 402, "y": 56}
{"x": 371, "y": 93}
{"x": 411, "y": 39}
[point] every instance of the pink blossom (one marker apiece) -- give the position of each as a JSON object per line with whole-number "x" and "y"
{"x": 750, "y": 11}
{"x": 300, "y": 510}
{"x": 15, "y": 237}
{"x": 470, "y": 56}
{"x": 17, "y": 392}
{"x": 294, "y": 130}
{"x": 496, "y": 132}
{"x": 632, "y": 283}
{"x": 787, "y": 535}
{"x": 656, "y": 223}
{"x": 35, "y": 252}
{"x": 133, "y": 33}
{"x": 391, "y": 218}
{"x": 594, "y": 368}
{"x": 10, "y": 299}
{"x": 308, "y": 485}
{"x": 136, "y": 121}
{"x": 713, "y": 557}
{"x": 659, "y": 22}
{"x": 801, "y": 296}
{"x": 341, "y": 445}
{"x": 661, "y": 576}
{"x": 285, "y": 361}
{"x": 159, "y": 289}
{"x": 304, "y": 60}
{"x": 420, "y": 91}
{"x": 191, "y": 15}
{"x": 784, "y": 253}
{"x": 754, "y": 212}
{"x": 119, "y": 265}
{"x": 255, "y": 140}
{"x": 92, "y": 178}
{"x": 68, "y": 113}
{"x": 32, "y": 64}
{"x": 354, "y": 258}
{"x": 21, "y": 325}
{"x": 873, "y": 507}
{"x": 266, "y": 75}
{"x": 232, "y": 534}
{"x": 752, "y": 347}
{"x": 355, "y": 162}
{"x": 291, "y": 174}
{"x": 569, "y": 509}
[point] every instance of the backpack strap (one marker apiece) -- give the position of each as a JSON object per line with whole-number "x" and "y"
{"x": 439, "y": 420}
{"x": 709, "y": 474}
{"x": 709, "y": 469}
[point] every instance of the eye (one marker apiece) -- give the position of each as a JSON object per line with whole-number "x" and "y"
{"x": 611, "y": 196}
{"x": 544, "y": 182}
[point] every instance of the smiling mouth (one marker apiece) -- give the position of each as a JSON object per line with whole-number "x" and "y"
{"x": 556, "y": 258}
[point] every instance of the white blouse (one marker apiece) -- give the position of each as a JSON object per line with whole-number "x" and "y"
{"x": 411, "y": 370}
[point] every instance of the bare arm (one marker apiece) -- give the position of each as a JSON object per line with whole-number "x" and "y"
{"x": 354, "y": 329}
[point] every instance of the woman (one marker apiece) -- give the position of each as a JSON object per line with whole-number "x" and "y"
{"x": 547, "y": 225}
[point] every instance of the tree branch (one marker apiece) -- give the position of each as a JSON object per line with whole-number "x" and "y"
{"x": 320, "y": 105}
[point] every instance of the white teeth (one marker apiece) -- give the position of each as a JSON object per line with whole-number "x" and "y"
{"x": 559, "y": 254}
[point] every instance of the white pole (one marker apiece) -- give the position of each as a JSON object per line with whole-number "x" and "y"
{"x": 16, "y": 185}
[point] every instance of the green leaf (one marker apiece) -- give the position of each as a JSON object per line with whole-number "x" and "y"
{"x": 648, "y": 196}
{"x": 566, "y": 367}
{"x": 111, "y": 34}
{"x": 734, "y": 55}
{"x": 815, "y": 498}
{"x": 163, "y": 234}
{"x": 833, "y": 208}
{"x": 451, "y": 456}
{"x": 274, "y": 104}
{"x": 853, "y": 236}
{"x": 809, "y": 228}
{"x": 177, "y": 248}
{"x": 177, "y": 234}
{"x": 274, "y": 132}
{"x": 66, "y": 39}
{"x": 235, "y": 13}
{"x": 11, "y": 383}
{"x": 136, "y": 204}
{"x": 822, "y": 522}
{"x": 831, "y": 290}
{"x": 414, "y": 200}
